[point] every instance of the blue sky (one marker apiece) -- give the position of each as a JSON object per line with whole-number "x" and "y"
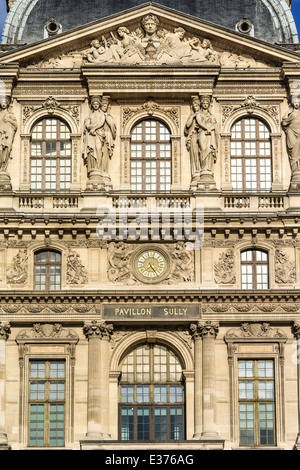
{"x": 295, "y": 11}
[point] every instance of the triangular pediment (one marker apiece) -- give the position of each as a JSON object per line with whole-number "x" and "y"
{"x": 126, "y": 39}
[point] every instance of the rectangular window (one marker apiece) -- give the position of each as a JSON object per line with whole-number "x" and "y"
{"x": 256, "y": 402}
{"x": 47, "y": 403}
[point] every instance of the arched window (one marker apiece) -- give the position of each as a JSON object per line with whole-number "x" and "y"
{"x": 151, "y": 395}
{"x": 50, "y": 156}
{"x": 47, "y": 270}
{"x": 251, "y": 156}
{"x": 150, "y": 157}
{"x": 254, "y": 268}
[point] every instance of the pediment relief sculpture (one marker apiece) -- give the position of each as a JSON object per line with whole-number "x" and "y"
{"x": 151, "y": 43}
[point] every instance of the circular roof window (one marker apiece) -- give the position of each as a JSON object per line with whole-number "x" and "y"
{"x": 52, "y": 27}
{"x": 244, "y": 26}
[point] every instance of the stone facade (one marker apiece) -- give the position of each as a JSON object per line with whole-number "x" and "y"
{"x": 221, "y": 289}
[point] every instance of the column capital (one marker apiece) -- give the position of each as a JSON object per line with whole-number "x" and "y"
{"x": 96, "y": 329}
{"x": 204, "y": 329}
{"x": 296, "y": 330}
{"x": 4, "y": 330}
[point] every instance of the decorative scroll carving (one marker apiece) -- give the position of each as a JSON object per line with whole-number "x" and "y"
{"x": 250, "y": 105}
{"x": 17, "y": 270}
{"x": 255, "y": 330}
{"x": 225, "y": 268}
{"x": 101, "y": 330}
{"x": 50, "y": 105}
{"x": 285, "y": 269}
{"x": 150, "y": 106}
{"x": 76, "y": 272}
{"x": 47, "y": 330}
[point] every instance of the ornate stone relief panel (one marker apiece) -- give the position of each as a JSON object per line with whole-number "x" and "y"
{"x": 17, "y": 270}
{"x": 76, "y": 272}
{"x": 181, "y": 264}
{"x": 255, "y": 330}
{"x": 285, "y": 269}
{"x": 225, "y": 268}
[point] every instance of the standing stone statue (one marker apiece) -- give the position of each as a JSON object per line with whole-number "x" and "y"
{"x": 202, "y": 140}
{"x": 291, "y": 126}
{"x": 8, "y": 128}
{"x": 98, "y": 142}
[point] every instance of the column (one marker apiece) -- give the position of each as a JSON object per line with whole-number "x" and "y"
{"x": 296, "y": 331}
{"x": 98, "y": 335}
{"x": 208, "y": 331}
{"x": 4, "y": 334}
{"x": 198, "y": 380}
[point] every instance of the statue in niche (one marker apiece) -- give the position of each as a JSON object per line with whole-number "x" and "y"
{"x": 291, "y": 126}
{"x": 8, "y": 128}
{"x": 98, "y": 139}
{"x": 202, "y": 139}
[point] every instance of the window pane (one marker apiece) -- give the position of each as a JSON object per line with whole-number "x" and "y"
{"x": 160, "y": 423}
{"x": 142, "y": 393}
{"x": 246, "y": 424}
{"x": 160, "y": 393}
{"x": 37, "y": 369}
{"x": 267, "y": 434}
{"x": 127, "y": 393}
{"x": 127, "y": 424}
{"x": 245, "y": 368}
{"x": 143, "y": 424}
{"x": 176, "y": 421}
{"x": 57, "y": 425}
{"x": 36, "y": 425}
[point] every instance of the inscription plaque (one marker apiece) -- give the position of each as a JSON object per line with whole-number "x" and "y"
{"x": 143, "y": 312}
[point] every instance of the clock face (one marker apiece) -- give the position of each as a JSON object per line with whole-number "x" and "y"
{"x": 151, "y": 265}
